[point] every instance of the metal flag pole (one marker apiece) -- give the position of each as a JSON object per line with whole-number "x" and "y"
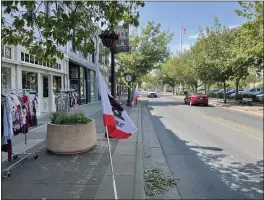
{"x": 181, "y": 48}
{"x": 181, "y": 38}
{"x": 111, "y": 162}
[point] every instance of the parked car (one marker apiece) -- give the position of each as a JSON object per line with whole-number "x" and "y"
{"x": 201, "y": 90}
{"x": 234, "y": 93}
{"x": 257, "y": 93}
{"x": 212, "y": 91}
{"x": 152, "y": 93}
{"x": 229, "y": 92}
{"x": 141, "y": 91}
{"x": 251, "y": 91}
{"x": 222, "y": 91}
{"x": 260, "y": 96}
{"x": 196, "y": 99}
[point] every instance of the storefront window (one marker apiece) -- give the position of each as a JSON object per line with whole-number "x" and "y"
{"x": 82, "y": 83}
{"x": 56, "y": 83}
{"x": 30, "y": 80}
{"x": 45, "y": 86}
{"x": 6, "y": 77}
{"x": 8, "y": 52}
{"x": 92, "y": 82}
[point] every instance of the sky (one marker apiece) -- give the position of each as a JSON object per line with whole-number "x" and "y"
{"x": 190, "y": 15}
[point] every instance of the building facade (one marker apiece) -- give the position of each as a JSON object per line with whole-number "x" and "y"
{"x": 20, "y": 70}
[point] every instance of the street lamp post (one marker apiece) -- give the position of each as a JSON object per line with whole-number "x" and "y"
{"x": 109, "y": 39}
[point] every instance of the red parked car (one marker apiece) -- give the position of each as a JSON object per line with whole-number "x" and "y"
{"x": 196, "y": 99}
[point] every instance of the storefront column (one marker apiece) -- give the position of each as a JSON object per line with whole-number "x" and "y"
{"x": 13, "y": 77}
{"x": 40, "y": 94}
{"x": 52, "y": 107}
{"x": 62, "y": 82}
{"x": 18, "y": 77}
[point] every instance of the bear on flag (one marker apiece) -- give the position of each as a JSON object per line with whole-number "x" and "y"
{"x": 116, "y": 119}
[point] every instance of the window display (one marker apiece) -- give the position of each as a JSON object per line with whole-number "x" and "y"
{"x": 82, "y": 83}
{"x": 92, "y": 82}
{"x": 30, "y": 80}
{"x": 6, "y": 77}
{"x": 56, "y": 83}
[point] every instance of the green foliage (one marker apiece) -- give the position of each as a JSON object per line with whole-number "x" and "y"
{"x": 79, "y": 25}
{"x": 156, "y": 182}
{"x": 69, "y": 119}
{"x": 221, "y": 55}
{"x": 147, "y": 50}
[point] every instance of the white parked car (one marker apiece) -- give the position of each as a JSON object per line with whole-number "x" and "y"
{"x": 152, "y": 93}
{"x": 251, "y": 91}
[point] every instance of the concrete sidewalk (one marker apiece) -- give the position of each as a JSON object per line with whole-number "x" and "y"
{"x": 82, "y": 176}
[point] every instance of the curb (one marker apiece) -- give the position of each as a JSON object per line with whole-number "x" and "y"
{"x": 139, "y": 191}
{"x": 238, "y": 110}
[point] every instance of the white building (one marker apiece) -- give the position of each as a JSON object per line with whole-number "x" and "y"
{"x": 20, "y": 70}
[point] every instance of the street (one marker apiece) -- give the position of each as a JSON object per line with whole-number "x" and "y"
{"x": 211, "y": 152}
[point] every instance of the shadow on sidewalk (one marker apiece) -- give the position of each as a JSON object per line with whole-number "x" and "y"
{"x": 205, "y": 172}
{"x": 54, "y": 176}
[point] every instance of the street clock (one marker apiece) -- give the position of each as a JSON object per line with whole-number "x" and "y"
{"x": 128, "y": 77}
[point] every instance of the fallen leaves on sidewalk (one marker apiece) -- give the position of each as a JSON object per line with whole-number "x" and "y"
{"x": 156, "y": 182}
{"x": 147, "y": 155}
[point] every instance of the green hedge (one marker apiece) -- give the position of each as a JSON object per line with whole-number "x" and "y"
{"x": 69, "y": 119}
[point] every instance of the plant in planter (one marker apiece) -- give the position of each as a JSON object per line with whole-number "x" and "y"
{"x": 70, "y": 133}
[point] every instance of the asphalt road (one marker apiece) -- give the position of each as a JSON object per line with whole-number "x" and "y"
{"x": 213, "y": 153}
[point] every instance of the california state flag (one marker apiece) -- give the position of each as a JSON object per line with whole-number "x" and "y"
{"x": 135, "y": 96}
{"x": 116, "y": 119}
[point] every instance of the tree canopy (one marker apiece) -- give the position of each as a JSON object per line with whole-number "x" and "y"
{"x": 221, "y": 54}
{"x": 147, "y": 50}
{"x": 56, "y": 27}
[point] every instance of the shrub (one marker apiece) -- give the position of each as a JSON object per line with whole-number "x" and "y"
{"x": 69, "y": 119}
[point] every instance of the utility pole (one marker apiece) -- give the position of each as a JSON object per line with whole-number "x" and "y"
{"x": 113, "y": 73}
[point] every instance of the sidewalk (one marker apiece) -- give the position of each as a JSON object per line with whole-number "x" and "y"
{"x": 256, "y": 108}
{"x": 82, "y": 176}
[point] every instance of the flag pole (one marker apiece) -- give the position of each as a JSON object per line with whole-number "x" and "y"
{"x": 181, "y": 38}
{"x": 111, "y": 162}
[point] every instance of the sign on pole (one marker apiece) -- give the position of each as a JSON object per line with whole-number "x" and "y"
{"x": 122, "y": 44}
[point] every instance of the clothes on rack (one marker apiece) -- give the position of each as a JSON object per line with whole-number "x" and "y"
{"x": 18, "y": 114}
{"x": 73, "y": 96}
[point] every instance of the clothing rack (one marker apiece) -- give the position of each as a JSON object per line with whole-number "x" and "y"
{"x": 63, "y": 99}
{"x": 25, "y": 154}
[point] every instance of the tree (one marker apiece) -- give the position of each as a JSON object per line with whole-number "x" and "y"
{"x": 170, "y": 73}
{"x": 147, "y": 51}
{"x": 253, "y": 32}
{"x": 79, "y": 25}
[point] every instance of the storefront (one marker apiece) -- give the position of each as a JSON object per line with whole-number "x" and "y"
{"x": 84, "y": 80}
{"x": 6, "y": 77}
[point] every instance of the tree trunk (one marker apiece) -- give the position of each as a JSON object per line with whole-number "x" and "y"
{"x": 173, "y": 90}
{"x": 237, "y": 85}
{"x": 205, "y": 87}
{"x": 192, "y": 87}
{"x": 224, "y": 92}
{"x": 196, "y": 86}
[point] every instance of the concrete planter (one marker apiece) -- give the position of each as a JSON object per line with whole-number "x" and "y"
{"x": 71, "y": 139}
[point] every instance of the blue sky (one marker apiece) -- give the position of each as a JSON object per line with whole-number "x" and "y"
{"x": 191, "y": 15}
